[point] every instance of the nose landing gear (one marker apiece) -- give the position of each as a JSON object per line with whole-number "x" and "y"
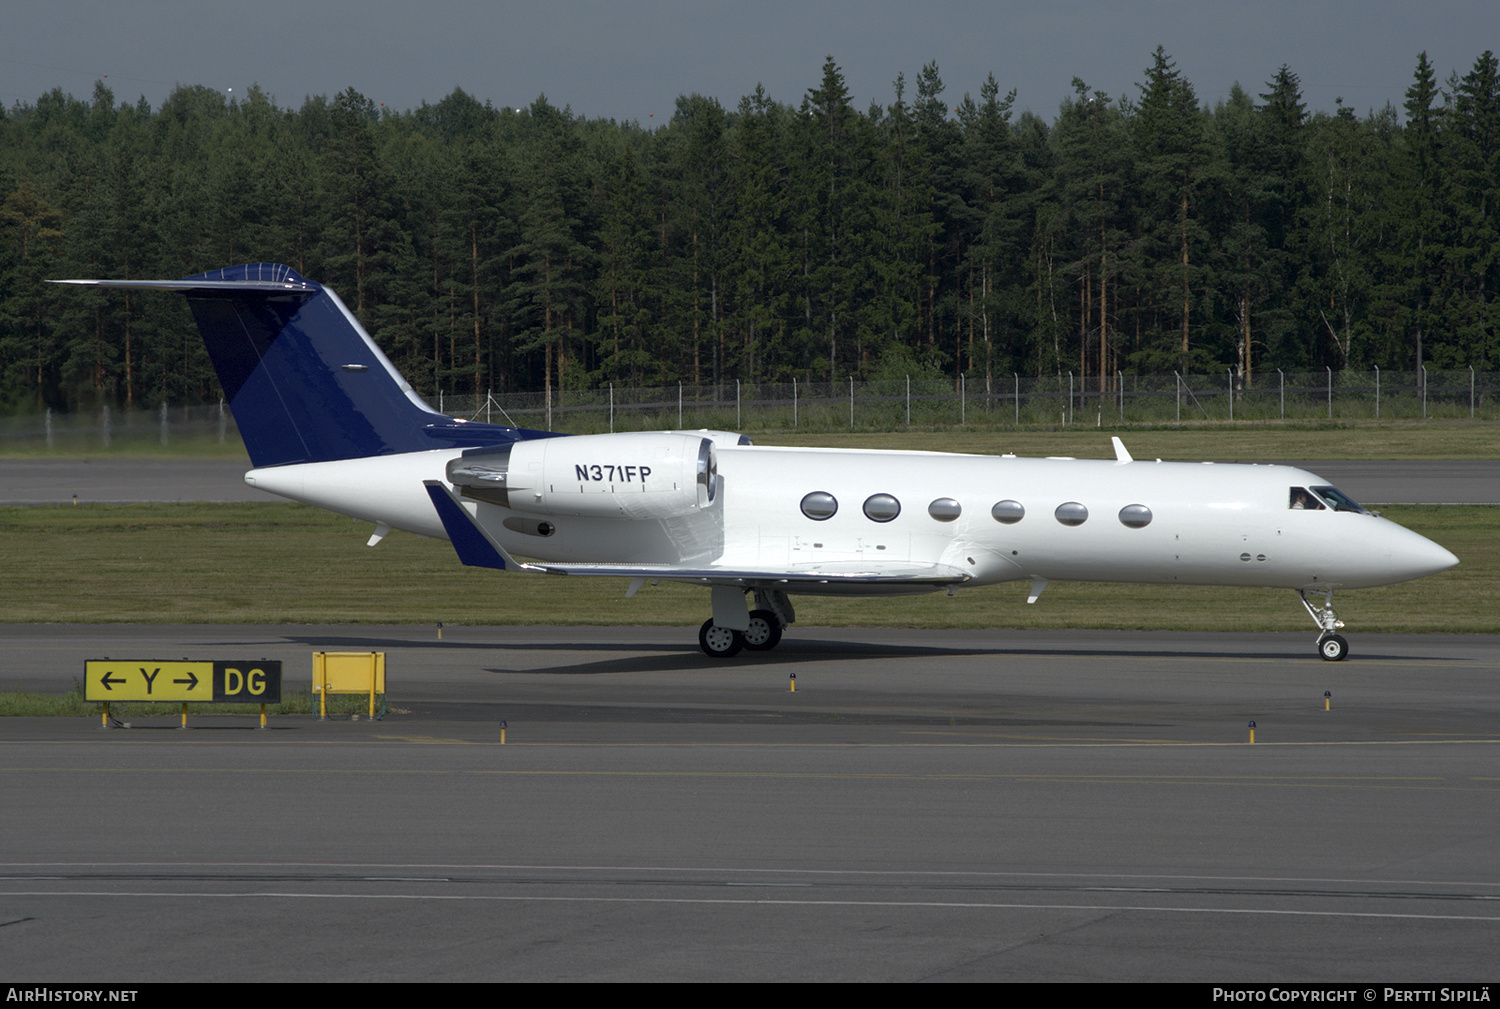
{"x": 1331, "y": 646}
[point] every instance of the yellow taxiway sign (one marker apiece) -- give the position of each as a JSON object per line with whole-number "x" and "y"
{"x": 105, "y": 680}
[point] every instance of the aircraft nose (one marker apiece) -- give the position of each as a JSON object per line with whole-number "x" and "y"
{"x": 1415, "y": 556}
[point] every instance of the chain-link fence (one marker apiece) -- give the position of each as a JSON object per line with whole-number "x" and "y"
{"x": 108, "y": 428}
{"x": 1003, "y": 401}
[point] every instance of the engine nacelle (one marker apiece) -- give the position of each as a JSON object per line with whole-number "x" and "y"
{"x": 648, "y": 475}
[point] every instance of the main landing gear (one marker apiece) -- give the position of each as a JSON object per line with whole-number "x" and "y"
{"x": 762, "y": 632}
{"x": 719, "y": 642}
{"x": 1331, "y": 646}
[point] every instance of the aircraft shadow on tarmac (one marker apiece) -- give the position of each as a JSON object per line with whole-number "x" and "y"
{"x": 805, "y": 652}
{"x": 673, "y": 655}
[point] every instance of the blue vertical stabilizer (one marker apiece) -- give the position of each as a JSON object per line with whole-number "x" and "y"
{"x": 305, "y": 381}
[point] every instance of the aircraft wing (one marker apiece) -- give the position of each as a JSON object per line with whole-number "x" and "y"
{"x": 906, "y": 574}
{"x": 477, "y": 548}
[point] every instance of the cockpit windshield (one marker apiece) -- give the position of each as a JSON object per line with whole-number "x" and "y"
{"x": 1302, "y": 500}
{"x": 1339, "y": 500}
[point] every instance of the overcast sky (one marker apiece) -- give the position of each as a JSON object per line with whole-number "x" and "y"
{"x": 625, "y": 61}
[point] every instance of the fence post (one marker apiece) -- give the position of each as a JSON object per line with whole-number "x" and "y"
{"x": 679, "y": 406}
{"x": 222, "y": 424}
{"x": 549, "y": 408}
{"x": 163, "y": 422}
{"x": 49, "y": 427}
{"x": 1423, "y": 377}
{"x": 611, "y": 409}
{"x": 1070, "y": 395}
{"x": 1231, "y": 393}
{"x": 736, "y": 404}
{"x": 908, "y": 402}
{"x": 1471, "y": 392}
{"x": 1018, "y": 397}
{"x": 1330, "y": 390}
{"x": 851, "y": 401}
{"x": 106, "y": 425}
{"x": 1377, "y": 392}
{"x": 1178, "y": 379}
{"x": 963, "y": 400}
{"x": 1283, "y": 392}
{"x": 794, "y": 401}
{"x": 1120, "y": 390}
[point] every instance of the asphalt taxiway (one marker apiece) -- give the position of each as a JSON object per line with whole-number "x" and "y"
{"x": 927, "y": 805}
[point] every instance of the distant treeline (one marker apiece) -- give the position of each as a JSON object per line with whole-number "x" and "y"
{"x": 515, "y": 249}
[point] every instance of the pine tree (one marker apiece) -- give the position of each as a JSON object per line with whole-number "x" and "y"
{"x": 1169, "y": 133}
{"x": 1287, "y": 331}
{"x": 1093, "y": 179}
{"x": 759, "y": 256}
{"x": 1473, "y": 278}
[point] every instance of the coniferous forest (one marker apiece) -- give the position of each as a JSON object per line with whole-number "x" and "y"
{"x": 496, "y": 248}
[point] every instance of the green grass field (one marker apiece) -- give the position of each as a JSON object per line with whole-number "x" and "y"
{"x": 286, "y": 563}
{"x": 1251, "y": 442}
{"x": 1238, "y": 442}
{"x": 18, "y": 704}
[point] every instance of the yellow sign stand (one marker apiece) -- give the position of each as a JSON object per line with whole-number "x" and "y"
{"x": 347, "y": 673}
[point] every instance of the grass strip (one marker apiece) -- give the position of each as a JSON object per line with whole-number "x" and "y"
{"x": 1246, "y": 442}
{"x": 1253, "y": 441}
{"x": 300, "y": 702}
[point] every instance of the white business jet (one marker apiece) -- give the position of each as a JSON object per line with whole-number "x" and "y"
{"x": 328, "y": 420}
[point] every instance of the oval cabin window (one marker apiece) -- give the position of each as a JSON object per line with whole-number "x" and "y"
{"x": 881, "y": 507}
{"x": 820, "y": 505}
{"x": 1071, "y": 513}
{"x": 945, "y": 509}
{"x": 1008, "y": 511}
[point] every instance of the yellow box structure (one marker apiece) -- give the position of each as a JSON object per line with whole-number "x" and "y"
{"x": 347, "y": 673}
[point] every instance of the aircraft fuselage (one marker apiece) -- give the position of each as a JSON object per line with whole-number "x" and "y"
{"x": 1204, "y": 523}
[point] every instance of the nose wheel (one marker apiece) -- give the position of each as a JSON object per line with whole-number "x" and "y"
{"x": 1331, "y": 645}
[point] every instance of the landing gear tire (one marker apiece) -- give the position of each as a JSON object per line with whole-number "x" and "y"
{"x": 719, "y": 642}
{"x": 1332, "y": 647}
{"x": 764, "y": 632}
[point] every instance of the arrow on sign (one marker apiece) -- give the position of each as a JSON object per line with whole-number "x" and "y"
{"x": 109, "y": 683}
{"x": 191, "y": 681}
